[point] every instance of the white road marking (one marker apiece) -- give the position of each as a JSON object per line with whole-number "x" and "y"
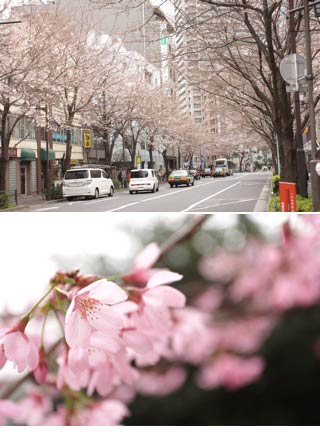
{"x": 99, "y": 201}
{"x": 165, "y": 195}
{"x": 226, "y": 203}
{"x": 124, "y": 206}
{"x": 211, "y": 196}
{"x": 47, "y": 209}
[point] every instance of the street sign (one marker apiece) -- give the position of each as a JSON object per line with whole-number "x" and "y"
{"x": 293, "y": 70}
{"x": 87, "y": 139}
{"x": 318, "y": 168}
{"x": 138, "y": 160}
{"x": 288, "y": 197}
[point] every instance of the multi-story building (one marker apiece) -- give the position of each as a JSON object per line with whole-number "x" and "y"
{"x": 195, "y": 94}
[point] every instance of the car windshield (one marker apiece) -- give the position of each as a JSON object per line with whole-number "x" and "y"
{"x": 179, "y": 173}
{"x": 139, "y": 174}
{"x": 76, "y": 175}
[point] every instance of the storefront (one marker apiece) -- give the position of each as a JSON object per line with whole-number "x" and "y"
{"x": 27, "y": 172}
{"x": 51, "y": 158}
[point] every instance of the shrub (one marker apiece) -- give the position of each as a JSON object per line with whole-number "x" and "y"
{"x": 303, "y": 204}
{"x": 4, "y": 200}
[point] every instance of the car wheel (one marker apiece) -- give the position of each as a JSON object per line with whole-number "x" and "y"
{"x": 130, "y": 192}
{"x": 188, "y": 184}
{"x": 154, "y": 189}
{"x": 96, "y": 194}
{"x": 192, "y": 183}
{"x": 157, "y": 188}
{"x": 111, "y": 192}
{"x": 171, "y": 186}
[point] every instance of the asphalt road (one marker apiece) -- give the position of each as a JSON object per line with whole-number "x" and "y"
{"x": 239, "y": 193}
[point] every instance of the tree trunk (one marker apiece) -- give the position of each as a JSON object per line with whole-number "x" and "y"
{"x": 4, "y": 165}
{"x": 164, "y": 155}
{"x": 5, "y": 141}
{"x": 107, "y": 152}
{"x": 67, "y": 160}
{"x": 150, "y": 149}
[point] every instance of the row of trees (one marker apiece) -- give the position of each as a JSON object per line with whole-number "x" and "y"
{"x": 236, "y": 47}
{"x": 75, "y": 77}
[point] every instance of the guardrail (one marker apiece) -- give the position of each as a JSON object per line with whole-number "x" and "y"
{"x": 7, "y": 198}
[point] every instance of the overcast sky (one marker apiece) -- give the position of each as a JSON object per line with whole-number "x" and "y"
{"x": 30, "y": 241}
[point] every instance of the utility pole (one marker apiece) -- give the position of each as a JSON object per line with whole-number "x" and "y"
{"x": 315, "y": 179}
{"x": 301, "y": 160}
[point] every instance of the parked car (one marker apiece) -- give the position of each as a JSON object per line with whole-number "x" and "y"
{"x": 180, "y": 177}
{"x": 206, "y": 172}
{"x": 196, "y": 174}
{"x": 86, "y": 182}
{"x": 142, "y": 180}
{"x": 219, "y": 172}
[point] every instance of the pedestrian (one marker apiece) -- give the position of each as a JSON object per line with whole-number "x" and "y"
{"x": 123, "y": 178}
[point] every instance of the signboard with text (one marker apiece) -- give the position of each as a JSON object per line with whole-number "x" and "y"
{"x": 288, "y": 197}
{"x": 12, "y": 152}
{"x": 87, "y": 144}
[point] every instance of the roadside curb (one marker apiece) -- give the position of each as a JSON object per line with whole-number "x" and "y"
{"x": 262, "y": 205}
{"x": 26, "y": 206}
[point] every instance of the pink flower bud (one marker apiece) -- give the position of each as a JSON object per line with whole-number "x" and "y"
{"x": 41, "y": 372}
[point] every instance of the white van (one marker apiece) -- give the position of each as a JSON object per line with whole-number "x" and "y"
{"x": 143, "y": 180}
{"x": 86, "y": 182}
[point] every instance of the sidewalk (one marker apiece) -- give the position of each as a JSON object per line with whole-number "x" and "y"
{"x": 26, "y": 201}
{"x": 262, "y": 205}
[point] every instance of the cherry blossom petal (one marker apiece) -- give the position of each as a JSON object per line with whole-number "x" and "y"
{"x": 137, "y": 341}
{"x": 78, "y": 359}
{"x": 107, "y": 320}
{"x": 147, "y": 257}
{"x": 107, "y": 292}
{"x": 126, "y": 307}
{"x": 77, "y": 330}
{"x": 107, "y": 342}
{"x": 171, "y": 297}
{"x": 33, "y": 356}
{"x": 16, "y": 349}
{"x": 163, "y": 277}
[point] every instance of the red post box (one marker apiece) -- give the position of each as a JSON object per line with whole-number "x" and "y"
{"x": 288, "y": 197}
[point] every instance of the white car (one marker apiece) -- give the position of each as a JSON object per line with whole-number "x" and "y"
{"x": 86, "y": 182}
{"x": 143, "y": 180}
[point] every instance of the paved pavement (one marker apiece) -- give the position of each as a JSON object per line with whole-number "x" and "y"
{"x": 239, "y": 193}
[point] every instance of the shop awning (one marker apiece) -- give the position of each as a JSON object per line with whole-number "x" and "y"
{"x": 52, "y": 155}
{"x": 27, "y": 155}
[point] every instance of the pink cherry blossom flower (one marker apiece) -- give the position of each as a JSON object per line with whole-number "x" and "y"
{"x": 161, "y": 383}
{"x": 17, "y": 347}
{"x": 109, "y": 412}
{"x": 230, "y": 371}
{"x": 91, "y": 311}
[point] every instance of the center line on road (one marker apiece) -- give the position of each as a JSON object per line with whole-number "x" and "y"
{"x": 207, "y": 198}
